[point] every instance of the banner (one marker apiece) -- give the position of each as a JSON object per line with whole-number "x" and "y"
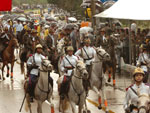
{"x": 5, "y": 5}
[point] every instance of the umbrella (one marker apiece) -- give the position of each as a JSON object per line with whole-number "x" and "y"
{"x": 85, "y": 30}
{"x": 72, "y": 19}
{"x": 22, "y": 19}
{"x": 108, "y": 4}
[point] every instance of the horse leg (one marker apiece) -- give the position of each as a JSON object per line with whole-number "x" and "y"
{"x": 109, "y": 74}
{"x": 114, "y": 72}
{"x": 3, "y": 71}
{"x": 80, "y": 108}
{"x": 105, "y": 100}
{"x": 7, "y": 71}
{"x": 39, "y": 108}
{"x": 99, "y": 97}
{"x": 28, "y": 104}
{"x": 73, "y": 106}
{"x": 12, "y": 65}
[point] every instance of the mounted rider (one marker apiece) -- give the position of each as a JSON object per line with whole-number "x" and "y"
{"x": 143, "y": 61}
{"x": 4, "y": 40}
{"x": 87, "y": 53}
{"x": 133, "y": 92}
{"x": 67, "y": 65}
{"x": 33, "y": 64}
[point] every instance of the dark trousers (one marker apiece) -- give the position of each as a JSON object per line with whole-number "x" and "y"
{"x": 32, "y": 82}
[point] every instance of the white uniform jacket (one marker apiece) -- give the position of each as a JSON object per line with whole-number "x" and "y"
{"x": 87, "y": 53}
{"x": 143, "y": 60}
{"x": 131, "y": 97}
{"x": 66, "y": 67}
{"x": 37, "y": 59}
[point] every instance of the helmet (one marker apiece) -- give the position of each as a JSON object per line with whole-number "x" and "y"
{"x": 70, "y": 48}
{"x": 87, "y": 41}
{"x": 143, "y": 46}
{"x": 138, "y": 71}
{"x": 38, "y": 46}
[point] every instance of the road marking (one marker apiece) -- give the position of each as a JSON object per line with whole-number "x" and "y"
{"x": 95, "y": 104}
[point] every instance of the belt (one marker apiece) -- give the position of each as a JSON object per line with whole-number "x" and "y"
{"x": 143, "y": 63}
{"x": 69, "y": 68}
{"x": 88, "y": 59}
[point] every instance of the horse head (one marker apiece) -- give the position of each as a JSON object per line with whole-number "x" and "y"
{"x": 14, "y": 42}
{"x": 81, "y": 67}
{"x": 102, "y": 54}
{"x": 143, "y": 103}
{"x": 60, "y": 47}
{"x": 46, "y": 65}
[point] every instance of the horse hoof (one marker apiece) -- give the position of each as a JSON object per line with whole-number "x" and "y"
{"x": 7, "y": 75}
{"x": 109, "y": 80}
{"x": 99, "y": 107}
{"x": 84, "y": 111}
{"x": 88, "y": 111}
{"x": 3, "y": 78}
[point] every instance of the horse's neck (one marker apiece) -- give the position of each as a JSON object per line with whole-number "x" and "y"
{"x": 97, "y": 65}
{"x": 77, "y": 83}
{"x": 10, "y": 48}
{"x": 43, "y": 80}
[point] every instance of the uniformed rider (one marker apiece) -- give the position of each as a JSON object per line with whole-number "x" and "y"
{"x": 67, "y": 65}
{"x": 134, "y": 91}
{"x": 33, "y": 64}
{"x": 87, "y": 53}
{"x": 143, "y": 61}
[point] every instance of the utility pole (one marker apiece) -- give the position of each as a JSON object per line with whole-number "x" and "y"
{"x": 93, "y": 8}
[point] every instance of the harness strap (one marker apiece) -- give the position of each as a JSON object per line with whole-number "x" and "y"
{"x": 134, "y": 91}
{"x": 69, "y": 62}
{"x": 79, "y": 94}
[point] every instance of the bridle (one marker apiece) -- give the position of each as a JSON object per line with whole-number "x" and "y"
{"x": 81, "y": 71}
{"x": 100, "y": 57}
{"x": 46, "y": 66}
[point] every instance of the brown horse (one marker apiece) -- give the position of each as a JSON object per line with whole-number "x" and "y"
{"x": 110, "y": 65}
{"x": 9, "y": 57}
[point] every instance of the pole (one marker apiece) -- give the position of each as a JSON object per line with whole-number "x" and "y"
{"x": 22, "y": 102}
{"x": 93, "y": 12}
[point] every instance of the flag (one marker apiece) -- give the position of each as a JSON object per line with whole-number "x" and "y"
{"x": 5, "y": 5}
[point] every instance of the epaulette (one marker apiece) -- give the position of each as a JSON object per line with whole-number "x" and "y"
{"x": 129, "y": 87}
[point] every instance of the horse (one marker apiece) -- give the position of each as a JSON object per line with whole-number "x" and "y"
{"x": 61, "y": 53}
{"x": 97, "y": 79}
{"x": 43, "y": 89}
{"x": 143, "y": 103}
{"x": 110, "y": 65}
{"x": 9, "y": 57}
{"x": 76, "y": 94}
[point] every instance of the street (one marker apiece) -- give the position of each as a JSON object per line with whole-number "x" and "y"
{"x": 12, "y": 94}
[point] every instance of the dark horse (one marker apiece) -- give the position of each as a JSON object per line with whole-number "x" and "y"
{"x": 9, "y": 57}
{"x": 110, "y": 65}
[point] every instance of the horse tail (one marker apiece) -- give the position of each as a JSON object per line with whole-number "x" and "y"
{"x": 22, "y": 67}
{"x": 26, "y": 106}
{"x": 65, "y": 104}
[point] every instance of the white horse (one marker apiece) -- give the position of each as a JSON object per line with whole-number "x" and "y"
{"x": 97, "y": 79}
{"x": 43, "y": 89}
{"x": 76, "y": 94}
{"x": 143, "y": 103}
{"x": 61, "y": 53}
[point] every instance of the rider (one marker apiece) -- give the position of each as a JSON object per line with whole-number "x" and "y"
{"x": 33, "y": 64}
{"x": 143, "y": 61}
{"x": 87, "y": 53}
{"x": 133, "y": 92}
{"x": 67, "y": 65}
{"x": 4, "y": 40}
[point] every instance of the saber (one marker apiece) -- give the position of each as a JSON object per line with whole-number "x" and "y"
{"x": 22, "y": 103}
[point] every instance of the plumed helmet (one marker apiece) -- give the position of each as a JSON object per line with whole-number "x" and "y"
{"x": 38, "y": 46}
{"x": 138, "y": 71}
{"x": 70, "y": 48}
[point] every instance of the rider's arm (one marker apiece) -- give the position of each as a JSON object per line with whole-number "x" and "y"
{"x": 30, "y": 61}
{"x": 78, "y": 53}
{"x": 127, "y": 98}
{"x": 62, "y": 65}
{"x": 139, "y": 61}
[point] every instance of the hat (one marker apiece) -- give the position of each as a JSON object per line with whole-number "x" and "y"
{"x": 70, "y": 48}
{"x": 138, "y": 71}
{"x": 46, "y": 26}
{"x": 34, "y": 31}
{"x": 87, "y": 41}
{"x": 38, "y": 46}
